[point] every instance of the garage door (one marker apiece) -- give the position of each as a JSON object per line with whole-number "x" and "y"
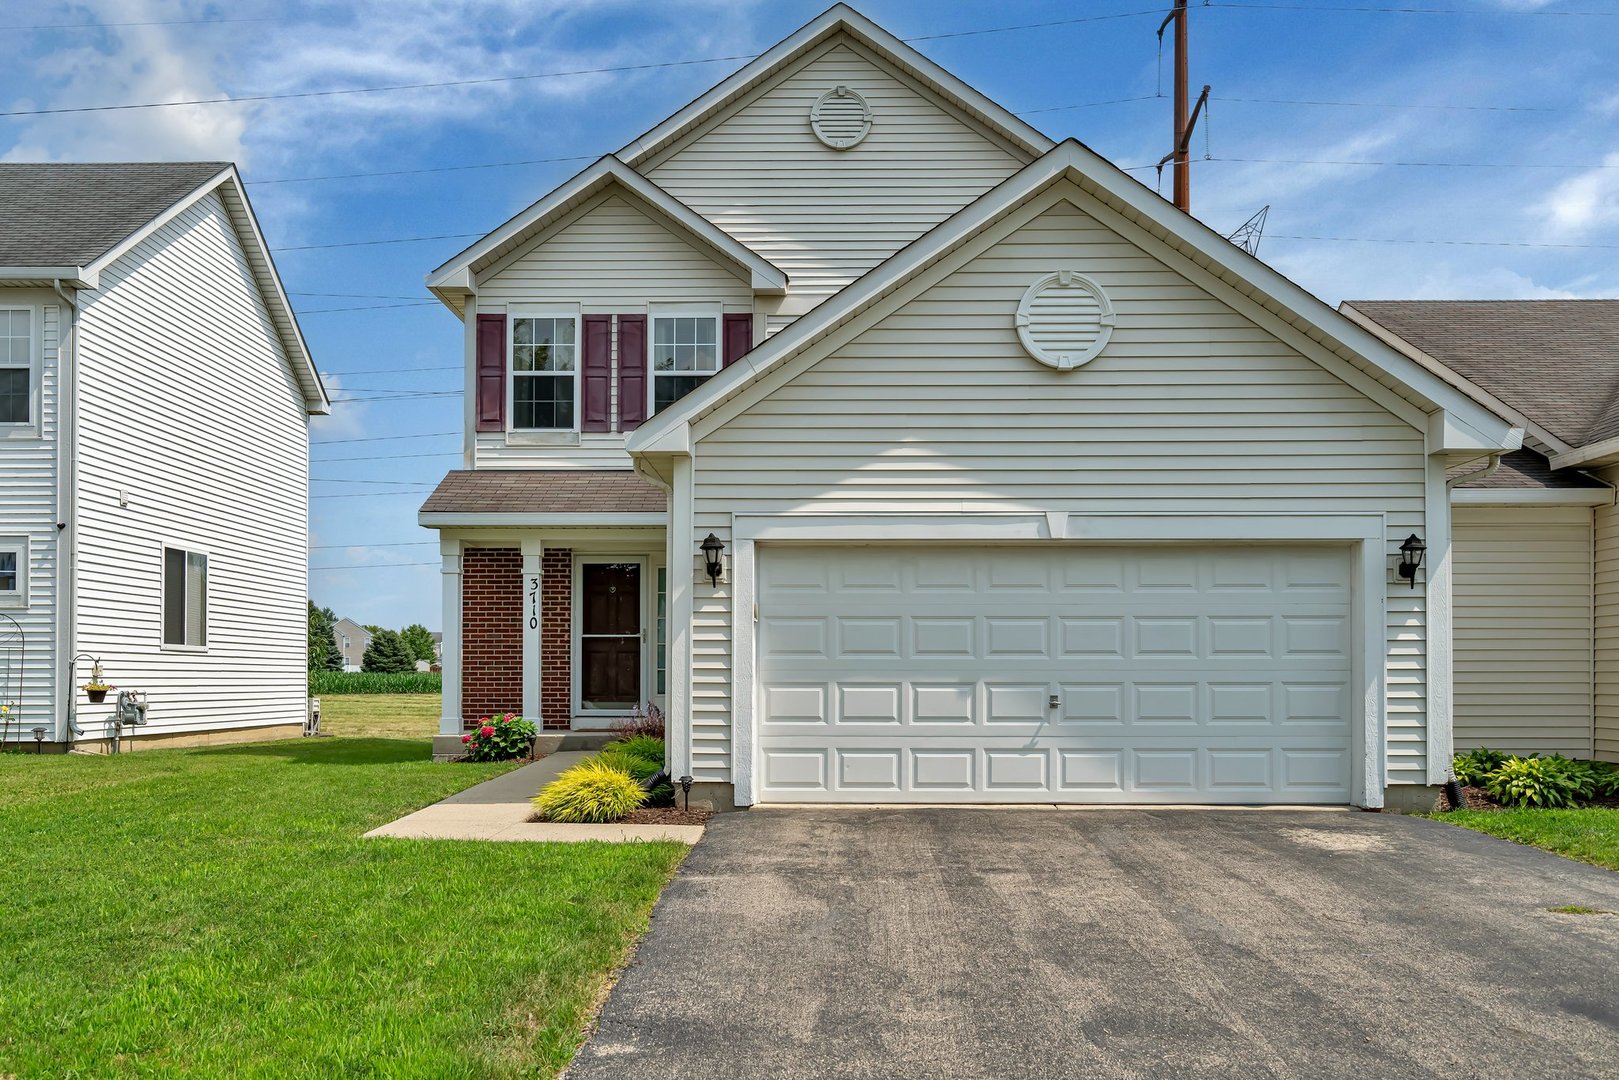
{"x": 1158, "y": 675}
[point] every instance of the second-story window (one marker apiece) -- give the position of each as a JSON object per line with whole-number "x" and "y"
{"x": 16, "y": 365}
{"x": 545, "y": 372}
{"x": 685, "y": 352}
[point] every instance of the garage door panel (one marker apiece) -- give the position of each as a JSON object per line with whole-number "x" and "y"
{"x": 928, "y": 674}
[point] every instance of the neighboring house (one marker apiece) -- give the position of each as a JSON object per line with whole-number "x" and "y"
{"x": 352, "y": 641}
{"x": 1030, "y": 487}
{"x": 1536, "y": 536}
{"x": 154, "y": 401}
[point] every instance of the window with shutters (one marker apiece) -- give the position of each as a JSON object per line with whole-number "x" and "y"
{"x": 13, "y": 571}
{"x": 544, "y": 372}
{"x": 685, "y": 351}
{"x": 185, "y": 598}
{"x": 18, "y": 326}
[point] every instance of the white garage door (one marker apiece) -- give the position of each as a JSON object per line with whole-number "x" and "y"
{"x": 1016, "y": 674}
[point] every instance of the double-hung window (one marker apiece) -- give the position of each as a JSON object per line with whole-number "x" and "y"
{"x": 545, "y": 372}
{"x": 16, "y": 365}
{"x": 185, "y": 598}
{"x": 685, "y": 352}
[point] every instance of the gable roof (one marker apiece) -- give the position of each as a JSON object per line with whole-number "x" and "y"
{"x": 840, "y": 18}
{"x": 451, "y": 281}
{"x": 1456, "y": 422}
{"x": 1555, "y": 360}
{"x": 65, "y": 223}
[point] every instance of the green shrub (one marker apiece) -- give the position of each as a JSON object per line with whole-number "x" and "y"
{"x": 1536, "y": 781}
{"x": 637, "y": 766}
{"x": 624, "y": 755}
{"x": 641, "y": 746}
{"x": 593, "y": 791}
{"x": 1474, "y": 767}
{"x": 499, "y": 738}
{"x": 374, "y": 682}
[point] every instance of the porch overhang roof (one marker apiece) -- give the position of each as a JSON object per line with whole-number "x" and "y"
{"x": 482, "y": 497}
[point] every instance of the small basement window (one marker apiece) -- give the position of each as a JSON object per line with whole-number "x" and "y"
{"x": 685, "y": 353}
{"x": 16, "y": 365}
{"x": 185, "y": 598}
{"x": 13, "y": 571}
{"x": 545, "y": 369}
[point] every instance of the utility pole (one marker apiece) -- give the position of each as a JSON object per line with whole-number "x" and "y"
{"x": 1185, "y": 116}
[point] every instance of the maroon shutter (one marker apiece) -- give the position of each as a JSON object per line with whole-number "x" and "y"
{"x": 738, "y": 337}
{"x": 598, "y": 373}
{"x": 631, "y": 371}
{"x": 491, "y": 373}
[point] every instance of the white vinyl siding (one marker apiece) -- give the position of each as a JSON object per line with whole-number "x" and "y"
{"x": 1522, "y": 604}
{"x": 28, "y": 512}
{"x": 610, "y": 257}
{"x": 934, "y": 406}
{"x": 192, "y": 435}
{"x": 827, "y": 216}
{"x": 1606, "y": 720}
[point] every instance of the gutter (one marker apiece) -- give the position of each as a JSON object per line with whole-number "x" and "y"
{"x": 67, "y": 484}
{"x": 1489, "y": 469}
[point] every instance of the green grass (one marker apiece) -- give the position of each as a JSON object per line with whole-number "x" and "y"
{"x": 214, "y": 912}
{"x": 392, "y": 716}
{"x": 1577, "y": 909}
{"x": 1589, "y": 835}
{"x": 322, "y": 683}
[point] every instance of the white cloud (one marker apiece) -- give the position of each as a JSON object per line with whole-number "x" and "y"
{"x": 1584, "y": 203}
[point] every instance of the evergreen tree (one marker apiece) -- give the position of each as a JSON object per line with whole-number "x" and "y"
{"x": 323, "y": 654}
{"x": 418, "y": 642}
{"x": 387, "y": 653}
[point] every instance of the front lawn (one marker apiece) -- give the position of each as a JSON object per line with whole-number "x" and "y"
{"x": 387, "y": 716}
{"x": 214, "y": 912}
{"x": 1590, "y": 834}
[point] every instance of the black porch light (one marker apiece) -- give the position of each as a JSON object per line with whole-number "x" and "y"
{"x": 713, "y": 548}
{"x": 1411, "y": 553}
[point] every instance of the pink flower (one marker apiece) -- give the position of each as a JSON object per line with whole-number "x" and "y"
{"x": 486, "y": 731}
{"x": 466, "y": 738}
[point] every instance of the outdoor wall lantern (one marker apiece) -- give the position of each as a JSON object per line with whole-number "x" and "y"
{"x": 1411, "y": 553}
{"x": 713, "y": 558}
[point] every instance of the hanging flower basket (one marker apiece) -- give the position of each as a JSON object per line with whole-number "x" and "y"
{"x": 96, "y": 693}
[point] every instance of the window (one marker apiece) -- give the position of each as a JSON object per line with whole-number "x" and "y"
{"x": 685, "y": 351}
{"x": 663, "y": 630}
{"x": 185, "y": 598}
{"x": 13, "y": 571}
{"x": 545, "y": 366}
{"x": 16, "y": 365}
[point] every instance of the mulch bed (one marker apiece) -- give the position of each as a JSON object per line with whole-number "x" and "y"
{"x": 666, "y": 815}
{"x": 1477, "y": 798}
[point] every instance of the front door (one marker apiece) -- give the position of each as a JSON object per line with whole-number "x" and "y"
{"x": 610, "y": 636}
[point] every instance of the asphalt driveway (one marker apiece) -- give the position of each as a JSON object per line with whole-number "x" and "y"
{"x": 1033, "y": 943}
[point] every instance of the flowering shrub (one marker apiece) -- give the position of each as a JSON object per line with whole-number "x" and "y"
{"x": 499, "y": 738}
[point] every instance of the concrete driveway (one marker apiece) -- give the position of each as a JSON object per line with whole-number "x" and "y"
{"x": 1033, "y": 943}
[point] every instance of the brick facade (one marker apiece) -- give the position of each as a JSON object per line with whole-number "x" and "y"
{"x": 556, "y": 638}
{"x": 491, "y": 632}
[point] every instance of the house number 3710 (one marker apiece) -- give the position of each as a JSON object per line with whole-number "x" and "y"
{"x": 533, "y": 603}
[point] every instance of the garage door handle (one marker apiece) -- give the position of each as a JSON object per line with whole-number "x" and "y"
{"x": 1053, "y": 702}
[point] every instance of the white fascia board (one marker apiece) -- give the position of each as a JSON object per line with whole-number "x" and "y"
{"x": 839, "y": 17}
{"x": 469, "y": 520}
{"x": 1605, "y": 452}
{"x": 1449, "y": 434}
{"x": 763, "y": 275}
{"x": 1532, "y": 496}
{"x": 77, "y": 277}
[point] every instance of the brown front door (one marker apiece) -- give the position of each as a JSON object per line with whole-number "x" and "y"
{"x": 610, "y": 636}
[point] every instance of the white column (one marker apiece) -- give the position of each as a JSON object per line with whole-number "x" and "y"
{"x": 678, "y": 719}
{"x": 450, "y": 715}
{"x": 533, "y": 593}
{"x": 1437, "y": 574}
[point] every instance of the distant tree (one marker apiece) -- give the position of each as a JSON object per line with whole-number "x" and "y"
{"x": 372, "y": 627}
{"x": 418, "y": 642}
{"x": 323, "y": 654}
{"x": 387, "y": 653}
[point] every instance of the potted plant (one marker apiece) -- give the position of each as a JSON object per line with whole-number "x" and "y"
{"x": 96, "y": 689}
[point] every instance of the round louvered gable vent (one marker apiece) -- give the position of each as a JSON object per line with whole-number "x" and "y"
{"x": 1064, "y": 320}
{"x": 840, "y": 118}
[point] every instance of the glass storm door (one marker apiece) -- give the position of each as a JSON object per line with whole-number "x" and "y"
{"x": 610, "y": 636}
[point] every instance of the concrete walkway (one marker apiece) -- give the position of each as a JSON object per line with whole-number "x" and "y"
{"x": 499, "y": 809}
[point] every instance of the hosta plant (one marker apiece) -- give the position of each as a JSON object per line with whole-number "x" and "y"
{"x": 593, "y": 791}
{"x": 1535, "y": 781}
{"x": 1474, "y": 767}
{"x": 499, "y": 738}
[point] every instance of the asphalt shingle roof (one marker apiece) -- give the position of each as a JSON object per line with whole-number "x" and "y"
{"x": 544, "y": 491}
{"x": 1557, "y": 361}
{"x": 71, "y": 215}
{"x": 1526, "y": 469}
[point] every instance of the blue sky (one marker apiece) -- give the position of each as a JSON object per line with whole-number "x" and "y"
{"x": 1299, "y": 89}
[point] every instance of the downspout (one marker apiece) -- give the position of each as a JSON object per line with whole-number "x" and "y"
{"x": 1477, "y": 474}
{"x": 67, "y": 478}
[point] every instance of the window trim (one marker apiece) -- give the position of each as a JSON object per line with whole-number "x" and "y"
{"x": 566, "y": 311}
{"x": 18, "y": 597}
{"x": 163, "y": 548}
{"x": 36, "y": 363}
{"x": 654, "y": 312}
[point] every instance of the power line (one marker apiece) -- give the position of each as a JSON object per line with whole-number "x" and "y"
{"x": 391, "y": 457}
{"x": 372, "y": 494}
{"x": 403, "y": 543}
{"x": 1087, "y": 104}
{"x": 414, "y": 172}
{"x": 389, "y": 438}
{"x": 377, "y": 243}
{"x": 394, "y": 371}
{"x": 358, "y": 295}
{"x": 152, "y": 22}
{"x": 389, "y": 483}
{"x": 367, "y": 307}
{"x": 369, "y": 566}
{"x": 1385, "y": 105}
{"x": 1419, "y": 164}
{"x": 1444, "y": 243}
{"x": 1312, "y": 9}
{"x": 397, "y": 397}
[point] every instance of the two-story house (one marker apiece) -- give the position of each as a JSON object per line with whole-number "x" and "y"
{"x": 903, "y": 454}
{"x": 155, "y": 395}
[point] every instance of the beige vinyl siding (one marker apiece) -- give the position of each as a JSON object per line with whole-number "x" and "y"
{"x": 1606, "y": 720}
{"x": 1522, "y": 606}
{"x": 609, "y": 257}
{"x": 1192, "y": 408}
{"x": 189, "y": 411}
{"x": 28, "y": 508}
{"x": 827, "y": 216}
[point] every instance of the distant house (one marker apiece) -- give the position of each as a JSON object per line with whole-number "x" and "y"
{"x": 155, "y": 395}
{"x": 352, "y": 641}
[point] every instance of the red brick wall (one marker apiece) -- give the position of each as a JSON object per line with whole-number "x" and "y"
{"x": 491, "y": 632}
{"x": 556, "y": 638}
